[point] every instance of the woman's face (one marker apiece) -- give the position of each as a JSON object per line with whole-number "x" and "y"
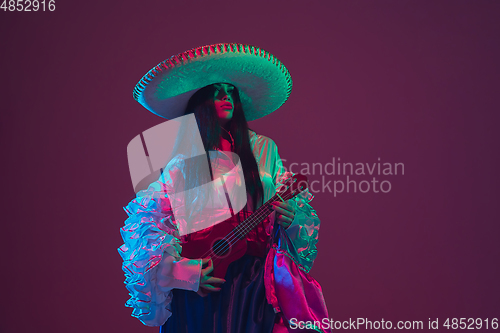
{"x": 224, "y": 101}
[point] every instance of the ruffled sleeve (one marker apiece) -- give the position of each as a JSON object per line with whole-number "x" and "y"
{"x": 151, "y": 257}
{"x": 299, "y": 240}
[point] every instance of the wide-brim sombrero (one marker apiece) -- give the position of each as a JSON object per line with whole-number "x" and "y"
{"x": 263, "y": 81}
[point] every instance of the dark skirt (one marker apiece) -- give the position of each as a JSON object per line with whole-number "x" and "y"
{"x": 240, "y": 305}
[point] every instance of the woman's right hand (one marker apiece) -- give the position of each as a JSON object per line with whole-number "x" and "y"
{"x": 207, "y": 282}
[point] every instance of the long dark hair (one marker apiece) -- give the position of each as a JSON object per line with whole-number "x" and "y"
{"x": 202, "y": 106}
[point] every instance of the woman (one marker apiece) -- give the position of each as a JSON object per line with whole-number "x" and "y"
{"x": 231, "y": 83}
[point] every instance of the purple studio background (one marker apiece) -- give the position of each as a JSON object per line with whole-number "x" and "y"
{"x": 409, "y": 82}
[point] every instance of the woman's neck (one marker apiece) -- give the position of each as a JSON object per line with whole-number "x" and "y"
{"x": 226, "y": 140}
{"x": 225, "y": 145}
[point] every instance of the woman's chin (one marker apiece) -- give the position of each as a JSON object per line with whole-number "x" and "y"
{"x": 226, "y": 115}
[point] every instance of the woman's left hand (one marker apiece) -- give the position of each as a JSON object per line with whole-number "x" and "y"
{"x": 285, "y": 212}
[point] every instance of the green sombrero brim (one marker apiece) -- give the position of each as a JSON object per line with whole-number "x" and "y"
{"x": 263, "y": 81}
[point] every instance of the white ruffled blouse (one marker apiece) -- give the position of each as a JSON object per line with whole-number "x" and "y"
{"x": 152, "y": 254}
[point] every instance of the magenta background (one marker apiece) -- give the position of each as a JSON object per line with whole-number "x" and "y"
{"x": 415, "y": 82}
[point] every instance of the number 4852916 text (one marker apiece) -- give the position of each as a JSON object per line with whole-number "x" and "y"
{"x": 28, "y": 5}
